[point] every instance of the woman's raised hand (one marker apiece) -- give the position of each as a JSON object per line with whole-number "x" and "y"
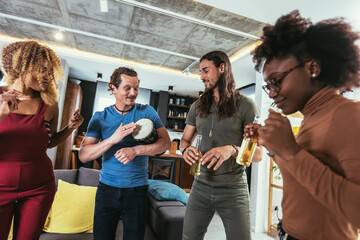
{"x": 10, "y": 100}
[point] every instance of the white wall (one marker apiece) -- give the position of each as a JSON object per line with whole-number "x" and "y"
{"x": 260, "y": 171}
{"x": 62, "y": 90}
{"x": 243, "y": 71}
{"x": 354, "y": 94}
{"x": 249, "y": 91}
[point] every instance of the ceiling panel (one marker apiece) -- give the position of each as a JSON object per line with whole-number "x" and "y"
{"x": 161, "y": 25}
{"x": 234, "y": 21}
{"x": 144, "y": 55}
{"x": 33, "y": 10}
{"x": 118, "y": 14}
{"x": 169, "y": 41}
{"x": 178, "y": 63}
{"x": 99, "y": 46}
{"x": 186, "y": 7}
{"x": 98, "y": 27}
{"x": 215, "y": 39}
{"x": 153, "y": 40}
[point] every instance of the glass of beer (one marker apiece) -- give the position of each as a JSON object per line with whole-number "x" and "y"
{"x": 195, "y": 167}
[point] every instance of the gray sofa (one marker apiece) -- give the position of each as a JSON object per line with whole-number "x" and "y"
{"x": 165, "y": 218}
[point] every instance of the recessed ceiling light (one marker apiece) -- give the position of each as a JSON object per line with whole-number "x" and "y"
{"x": 104, "y": 6}
{"x": 59, "y": 35}
{"x": 171, "y": 88}
{"x": 99, "y": 76}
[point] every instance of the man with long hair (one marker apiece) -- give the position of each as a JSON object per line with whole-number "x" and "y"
{"x": 220, "y": 116}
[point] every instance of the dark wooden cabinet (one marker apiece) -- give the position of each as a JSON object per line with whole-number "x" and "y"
{"x": 176, "y": 116}
{"x": 172, "y": 109}
{"x": 178, "y": 108}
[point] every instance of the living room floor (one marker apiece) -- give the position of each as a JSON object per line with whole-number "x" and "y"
{"x": 216, "y": 231}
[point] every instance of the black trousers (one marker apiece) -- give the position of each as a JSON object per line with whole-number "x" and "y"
{"x": 282, "y": 235}
{"x": 112, "y": 203}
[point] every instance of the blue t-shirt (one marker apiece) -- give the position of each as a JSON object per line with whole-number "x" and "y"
{"x": 102, "y": 125}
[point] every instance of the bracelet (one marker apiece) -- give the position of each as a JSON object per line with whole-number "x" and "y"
{"x": 184, "y": 150}
{"x": 270, "y": 153}
{"x": 236, "y": 150}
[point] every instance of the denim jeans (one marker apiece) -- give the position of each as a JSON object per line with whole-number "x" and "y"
{"x": 111, "y": 203}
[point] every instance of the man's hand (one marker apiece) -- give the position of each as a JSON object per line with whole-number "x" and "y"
{"x": 217, "y": 155}
{"x": 190, "y": 155}
{"x": 125, "y": 155}
{"x": 122, "y": 132}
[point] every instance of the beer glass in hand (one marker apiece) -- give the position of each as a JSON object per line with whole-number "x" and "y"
{"x": 195, "y": 167}
{"x": 247, "y": 149}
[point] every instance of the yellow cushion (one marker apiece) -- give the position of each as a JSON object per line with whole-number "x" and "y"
{"x": 72, "y": 210}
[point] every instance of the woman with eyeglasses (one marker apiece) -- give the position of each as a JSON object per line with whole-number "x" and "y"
{"x": 304, "y": 65}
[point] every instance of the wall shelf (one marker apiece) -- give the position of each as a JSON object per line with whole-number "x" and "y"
{"x": 177, "y": 105}
{"x": 176, "y": 130}
{"x": 181, "y": 118}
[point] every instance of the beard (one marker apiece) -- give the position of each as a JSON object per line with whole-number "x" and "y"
{"x": 211, "y": 86}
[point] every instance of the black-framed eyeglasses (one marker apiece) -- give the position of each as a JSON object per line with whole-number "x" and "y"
{"x": 273, "y": 83}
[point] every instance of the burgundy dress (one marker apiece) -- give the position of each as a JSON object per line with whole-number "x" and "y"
{"x": 27, "y": 185}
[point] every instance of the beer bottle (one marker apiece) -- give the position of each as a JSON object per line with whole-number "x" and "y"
{"x": 247, "y": 149}
{"x": 195, "y": 167}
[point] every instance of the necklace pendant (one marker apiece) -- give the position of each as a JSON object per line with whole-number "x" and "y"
{"x": 210, "y": 133}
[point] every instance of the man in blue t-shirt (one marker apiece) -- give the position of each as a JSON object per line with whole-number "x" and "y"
{"x": 123, "y": 185}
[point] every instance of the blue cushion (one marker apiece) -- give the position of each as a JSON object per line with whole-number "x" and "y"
{"x": 167, "y": 191}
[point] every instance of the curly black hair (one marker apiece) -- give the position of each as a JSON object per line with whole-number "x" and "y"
{"x": 332, "y": 43}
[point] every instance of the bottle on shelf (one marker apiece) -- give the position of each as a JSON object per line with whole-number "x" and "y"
{"x": 195, "y": 167}
{"x": 247, "y": 148}
{"x": 182, "y": 101}
{"x": 79, "y": 138}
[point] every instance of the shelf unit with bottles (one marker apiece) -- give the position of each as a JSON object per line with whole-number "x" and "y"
{"x": 172, "y": 108}
{"x": 178, "y": 108}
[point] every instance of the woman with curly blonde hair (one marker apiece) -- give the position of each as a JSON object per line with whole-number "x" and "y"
{"x": 28, "y": 122}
